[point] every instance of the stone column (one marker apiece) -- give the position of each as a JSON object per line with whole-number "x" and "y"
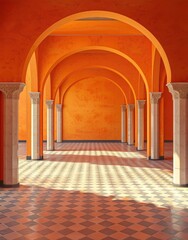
{"x": 50, "y": 125}
{"x": 11, "y": 92}
{"x": 130, "y": 109}
{"x": 59, "y": 122}
{"x": 179, "y": 91}
{"x": 123, "y": 123}
{"x": 154, "y": 99}
{"x": 140, "y": 104}
{"x": 35, "y": 125}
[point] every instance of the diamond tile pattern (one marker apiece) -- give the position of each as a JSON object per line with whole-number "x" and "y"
{"x": 96, "y": 191}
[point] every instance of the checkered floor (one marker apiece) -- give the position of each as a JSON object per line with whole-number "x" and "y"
{"x": 85, "y": 191}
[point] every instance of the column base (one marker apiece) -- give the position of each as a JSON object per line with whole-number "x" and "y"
{"x": 180, "y": 185}
{"x": 30, "y": 158}
{"x": 2, "y": 185}
{"x": 153, "y": 159}
{"x": 140, "y": 149}
{"x": 130, "y": 144}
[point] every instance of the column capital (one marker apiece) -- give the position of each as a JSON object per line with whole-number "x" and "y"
{"x": 178, "y": 89}
{"x": 155, "y": 96}
{"x": 141, "y": 103}
{"x": 49, "y": 103}
{"x": 11, "y": 89}
{"x": 59, "y": 106}
{"x": 123, "y": 107}
{"x": 130, "y": 106}
{"x": 35, "y": 97}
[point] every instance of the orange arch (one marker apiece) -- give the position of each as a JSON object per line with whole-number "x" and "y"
{"x": 72, "y": 83}
{"x": 106, "y": 68}
{"x": 107, "y": 14}
{"x": 103, "y": 48}
{"x": 156, "y": 71}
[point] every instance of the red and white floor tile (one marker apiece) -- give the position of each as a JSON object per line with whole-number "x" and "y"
{"x": 84, "y": 191}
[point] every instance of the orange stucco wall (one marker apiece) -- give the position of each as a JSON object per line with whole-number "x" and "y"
{"x": 46, "y": 96}
{"x": 168, "y": 115}
{"x": 95, "y": 72}
{"x": 77, "y": 62}
{"x": 92, "y": 110}
{"x": 86, "y": 90}
{"x": 22, "y": 115}
{"x": 172, "y": 35}
{"x": 53, "y": 49}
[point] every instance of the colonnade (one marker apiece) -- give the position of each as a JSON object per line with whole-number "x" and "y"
{"x": 179, "y": 92}
{"x": 35, "y": 123}
{"x": 127, "y": 130}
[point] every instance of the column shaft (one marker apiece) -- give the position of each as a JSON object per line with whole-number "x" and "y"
{"x": 123, "y": 123}
{"x": 140, "y": 124}
{"x": 50, "y": 125}
{"x": 35, "y": 125}
{"x": 11, "y": 92}
{"x": 59, "y": 122}
{"x": 154, "y": 98}
{"x": 130, "y": 108}
{"x": 180, "y": 132}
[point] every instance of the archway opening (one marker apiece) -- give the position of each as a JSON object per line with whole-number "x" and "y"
{"x": 105, "y": 16}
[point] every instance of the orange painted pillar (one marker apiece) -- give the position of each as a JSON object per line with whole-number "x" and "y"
{"x": 58, "y": 121}
{"x": 50, "y": 125}
{"x": 148, "y": 126}
{"x": 130, "y": 123}
{"x": 136, "y": 126}
{"x": 140, "y": 124}
{"x": 1, "y": 138}
{"x": 28, "y": 122}
{"x": 161, "y": 128}
{"x": 41, "y": 126}
{"x": 123, "y": 123}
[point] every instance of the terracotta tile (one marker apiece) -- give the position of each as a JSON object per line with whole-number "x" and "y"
{"x": 141, "y": 235}
{"x": 113, "y": 192}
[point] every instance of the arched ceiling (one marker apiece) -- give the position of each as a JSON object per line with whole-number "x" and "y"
{"x": 55, "y": 48}
{"x": 109, "y": 60}
{"x": 162, "y": 22}
{"x": 95, "y": 71}
{"x": 95, "y": 26}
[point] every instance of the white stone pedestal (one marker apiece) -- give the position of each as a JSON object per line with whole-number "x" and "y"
{"x": 59, "y": 122}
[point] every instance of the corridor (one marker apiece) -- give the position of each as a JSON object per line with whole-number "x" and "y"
{"x": 94, "y": 191}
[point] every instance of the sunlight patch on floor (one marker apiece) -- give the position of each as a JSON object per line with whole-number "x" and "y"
{"x": 119, "y": 182}
{"x": 98, "y": 153}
